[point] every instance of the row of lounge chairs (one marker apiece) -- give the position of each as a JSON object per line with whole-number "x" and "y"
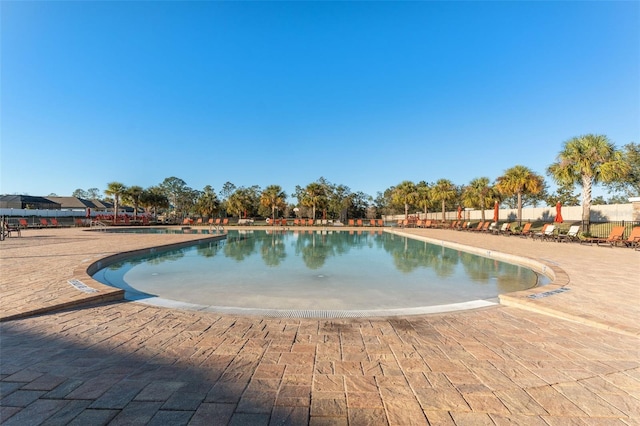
{"x": 211, "y": 221}
{"x": 42, "y": 223}
{"x": 548, "y": 232}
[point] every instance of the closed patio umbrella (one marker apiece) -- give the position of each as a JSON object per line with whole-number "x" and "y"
{"x": 459, "y": 212}
{"x": 496, "y": 211}
{"x": 558, "y": 218}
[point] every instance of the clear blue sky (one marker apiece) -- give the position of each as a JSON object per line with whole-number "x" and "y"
{"x": 365, "y": 94}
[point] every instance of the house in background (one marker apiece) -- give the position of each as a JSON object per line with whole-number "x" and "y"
{"x": 81, "y": 204}
{"x": 28, "y": 202}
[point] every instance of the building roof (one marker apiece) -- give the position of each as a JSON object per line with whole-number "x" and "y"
{"x": 27, "y": 201}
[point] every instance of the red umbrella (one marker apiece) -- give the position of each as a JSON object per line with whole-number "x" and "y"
{"x": 558, "y": 218}
{"x": 496, "y": 211}
{"x": 459, "y": 212}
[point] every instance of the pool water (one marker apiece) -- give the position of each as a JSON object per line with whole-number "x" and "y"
{"x": 316, "y": 270}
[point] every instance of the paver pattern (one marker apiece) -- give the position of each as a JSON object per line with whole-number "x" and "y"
{"x": 568, "y": 359}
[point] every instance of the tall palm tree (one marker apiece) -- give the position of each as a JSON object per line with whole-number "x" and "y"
{"x": 444, "y": 191}
{"x": 274, "y": 197}
{"x": 479, "y": 194}
{"x": 519, "y": 180}
{"x": 406, "y": 194}
{"x": 115, "y": 190}
{"x": 133, "y": 195}
{"x": 424, "y": 195}
{"x": 312, "y": 196}
{"x": 587, "y": 160}
{"x": 207, "y": 203}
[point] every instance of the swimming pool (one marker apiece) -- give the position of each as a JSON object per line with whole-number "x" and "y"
{"x": 320, "y": 273}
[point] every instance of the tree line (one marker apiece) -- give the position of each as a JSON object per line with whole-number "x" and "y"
{"x": 584, "y": 161}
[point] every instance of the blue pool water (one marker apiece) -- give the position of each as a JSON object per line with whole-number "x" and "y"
{"x": 317, "y": 270}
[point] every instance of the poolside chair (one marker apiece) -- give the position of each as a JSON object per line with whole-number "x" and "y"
{"x": 44, "y": 223}
{"x": 525, "y": 232}
{"x": 502, "y": 230}
{"x": 54, "y": 222}
{"x": 380, "y": 222}
{"x": 633, "y": 240}
{"x": 477, "y": 228}
{"x": 571, "y": 235}
{"x": 615, "y": 236}
{"x": 490, "y": 227}
{"x": 534, "y": 235}
{"x": 23, "y": 223}
{"x": 547, "y": 233}
{"x": 199, "y": 221}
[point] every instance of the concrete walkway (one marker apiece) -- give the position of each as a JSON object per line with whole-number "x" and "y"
{"x": 72, "y": 355}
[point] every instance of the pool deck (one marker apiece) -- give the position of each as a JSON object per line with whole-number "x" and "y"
{"x": 73, "y": 355}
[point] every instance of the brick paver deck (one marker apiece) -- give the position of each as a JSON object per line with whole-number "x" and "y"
{"x": 569, "y": 358}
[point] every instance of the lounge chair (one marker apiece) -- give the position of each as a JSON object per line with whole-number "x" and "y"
{"x": 525, "y": 232}
{"x": 54, "y": 222}
{"x": 633, "y": 240}
{"x": 380, "y": 222}
{"x": 615, "y": 236}
{"x": 504, "y": 228}
{"x": 571, "y": 235}
{"x": 23, "y": 223}
{"x": 490, "y": 227}
{"x": 44, "y": 223}
{"x": 477, "y": 228}
{"x": 546, "y": 233}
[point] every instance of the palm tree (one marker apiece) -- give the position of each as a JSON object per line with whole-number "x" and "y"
{"x": 133, "y": 195}
{"x": 312, "y": 196}
{"x": 587, "y": 160}
{"x": 479, "y": 194}
{"x": 274, "y": 197}
{"x": 424, "y": 196}
{"x": 207, "y": 203}
{"x": 519, "y": 180}
{"x": 406, "y": 194}
{"x": 115, "y": 190}
{"x": 444, "y": 191}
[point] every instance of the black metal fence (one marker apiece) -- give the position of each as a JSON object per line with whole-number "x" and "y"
{"x": 603, "y": 229}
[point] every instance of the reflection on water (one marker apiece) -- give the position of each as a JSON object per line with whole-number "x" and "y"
{"x": 317, "y": 270}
